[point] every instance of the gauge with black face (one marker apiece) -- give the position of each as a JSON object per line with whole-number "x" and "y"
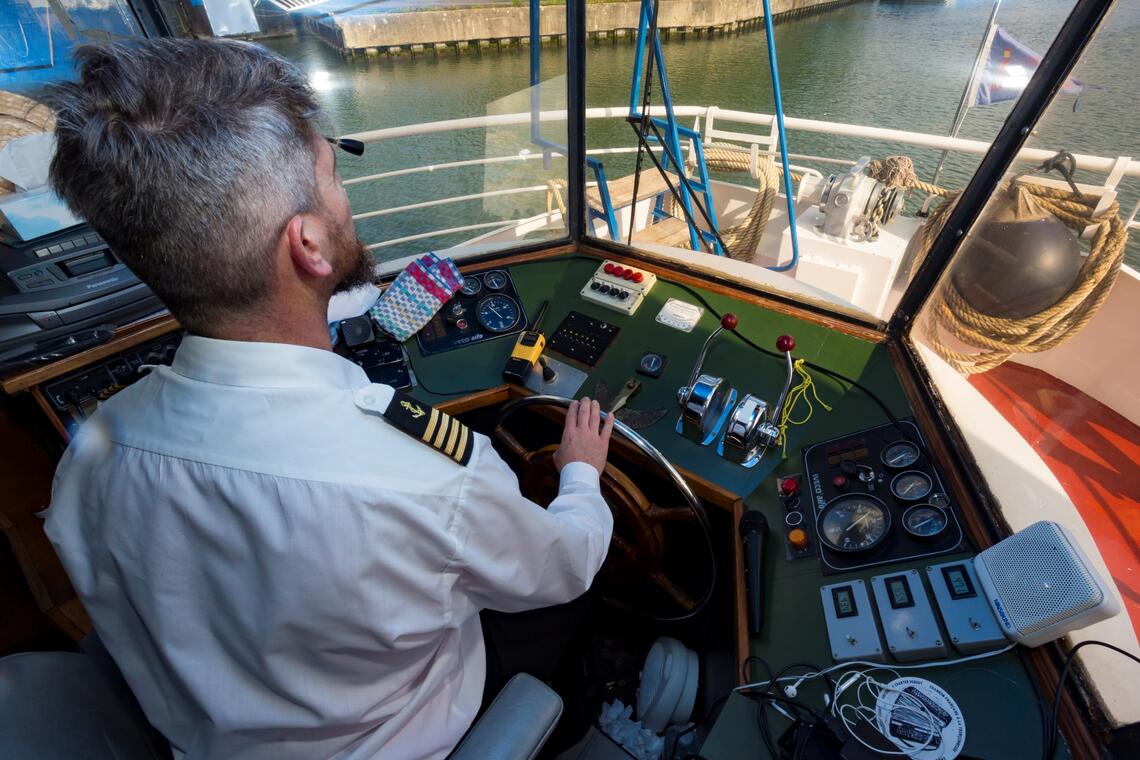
{"x": 911, "y": 485}
{"x": 899, "y": 455}
{"x": 854, "y": 523}
{"x": 498, "y": 313}
{"x": 925, "y": 522}
{"x": 940, "y": 500}
{"x": 495, "y": 280}
{"x": 471, "y": 286}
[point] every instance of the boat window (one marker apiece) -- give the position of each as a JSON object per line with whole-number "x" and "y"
{"x": 447, "y": 101}
{"x": 1029, "y": 337}
{"x": 883, "y": 103}
{"x": 37, "y": 37}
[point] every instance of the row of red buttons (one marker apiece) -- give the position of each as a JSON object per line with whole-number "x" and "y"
{"x": 622, "y": 272}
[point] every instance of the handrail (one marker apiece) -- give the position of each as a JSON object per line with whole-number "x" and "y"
{"x": 452, "y": 230}
{"x": 918, "y": 139}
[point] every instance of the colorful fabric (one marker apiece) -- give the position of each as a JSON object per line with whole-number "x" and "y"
{"x": 416, "y": 295}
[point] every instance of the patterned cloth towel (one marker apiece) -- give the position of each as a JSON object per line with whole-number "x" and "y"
{"x": 413, "y": 299}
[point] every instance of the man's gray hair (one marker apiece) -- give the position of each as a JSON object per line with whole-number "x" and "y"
{"x": 188, "y": 157}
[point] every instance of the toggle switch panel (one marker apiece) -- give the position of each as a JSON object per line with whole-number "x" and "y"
{"x": 908, "y": 621}
{"x": 968, "y": 617}
{"x": 850, "y": 621}
{"x": 618, "y": 287}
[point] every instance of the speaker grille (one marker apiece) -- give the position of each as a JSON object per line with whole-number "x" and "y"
{"x": 1040, "y": 578}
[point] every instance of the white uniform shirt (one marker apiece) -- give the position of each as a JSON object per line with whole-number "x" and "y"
{"x": 281, "y": 573}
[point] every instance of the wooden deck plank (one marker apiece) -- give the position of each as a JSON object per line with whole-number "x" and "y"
{"x": 621, "y": 190}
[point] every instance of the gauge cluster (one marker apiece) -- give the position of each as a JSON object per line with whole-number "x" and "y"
{"x": 878, "y": 499}
{"x": 486, "y": 306}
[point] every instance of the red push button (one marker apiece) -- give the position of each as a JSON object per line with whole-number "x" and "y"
{"x": 840, "y": 482}
{"x": 789, "y": 486}
{"x": 627, "y": 274}
{"x": 638, "y": 277}
{"x": 609, "y": 268}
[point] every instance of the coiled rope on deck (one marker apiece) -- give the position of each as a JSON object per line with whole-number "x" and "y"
{"x": 999, "y": 338}
{"x": 742, "y": 240}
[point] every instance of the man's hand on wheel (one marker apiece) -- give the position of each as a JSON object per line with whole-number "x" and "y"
{"x": 586, "y": 438}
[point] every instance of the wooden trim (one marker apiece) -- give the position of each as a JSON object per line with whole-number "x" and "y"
{"x": 488, "y": 397}
{"x": 770, "y": 303}
{"x": 49, "y": 411}
{"x": 964, "y": 490}
{"x": 124, "y": 338}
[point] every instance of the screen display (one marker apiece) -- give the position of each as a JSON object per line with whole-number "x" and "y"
{"x": 958, "y": 581}
{"x": 898, "y": 591}
{"x": 844, "y": 602}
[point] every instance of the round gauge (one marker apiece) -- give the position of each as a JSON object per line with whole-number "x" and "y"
{"x": 498, "y": 313}
{"x": 854, "y": 523}
{"x": 911, "y": 485}
{"x": 940, "y": 500}
{"x": 899, "y": 455}
{"x": 924, "y": 521}
{"x": 471, "y": 286}
{"x": 495, "y": 280}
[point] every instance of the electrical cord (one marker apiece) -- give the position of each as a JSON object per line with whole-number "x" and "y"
{"x": 1053, "y": 728}
{"x": 839, "y": 376}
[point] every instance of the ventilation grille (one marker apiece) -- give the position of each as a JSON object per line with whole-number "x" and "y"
{"x": 1040, "y": 578}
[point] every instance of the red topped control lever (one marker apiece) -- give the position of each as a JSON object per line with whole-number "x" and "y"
{"x": 729, "y": 321}
{"x": 785, "y": 343}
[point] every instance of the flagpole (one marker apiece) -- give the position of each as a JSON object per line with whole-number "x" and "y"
{"x": 969, "y": 93}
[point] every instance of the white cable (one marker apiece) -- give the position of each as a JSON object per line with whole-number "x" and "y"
{"x": 873, "y": 690}
{"x": 915, "y": 666}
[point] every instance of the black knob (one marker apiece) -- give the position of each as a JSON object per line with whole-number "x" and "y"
{"x": 848, "y": 467}
{"x": 623, "y": 295}
{"x": 604, "y": 290}
{"x": 595, "y": 285}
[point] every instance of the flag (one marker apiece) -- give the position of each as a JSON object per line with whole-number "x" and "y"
{"x": 1008, "y": 68}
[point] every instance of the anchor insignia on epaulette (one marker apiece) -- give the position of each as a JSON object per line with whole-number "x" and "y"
{"x": 437, "y": 429}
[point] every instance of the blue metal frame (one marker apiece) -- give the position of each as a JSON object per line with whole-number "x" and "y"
{"x": 783, "y": 139}
{"x": 673, "y": 133}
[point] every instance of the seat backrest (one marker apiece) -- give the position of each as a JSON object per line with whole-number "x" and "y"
{"x": 70, "y": 705}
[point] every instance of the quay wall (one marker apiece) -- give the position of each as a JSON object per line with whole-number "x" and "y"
{"x": 462, "y": 28}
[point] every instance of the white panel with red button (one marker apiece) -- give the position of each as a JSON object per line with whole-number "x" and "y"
{"x": 618, "y": 287}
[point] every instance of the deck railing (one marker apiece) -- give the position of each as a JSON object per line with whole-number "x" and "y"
{"x": 713, "y": 118}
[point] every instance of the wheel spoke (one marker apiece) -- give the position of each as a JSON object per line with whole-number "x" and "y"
{"x": 675, "y": 592}
{"x": 673, "y": 514}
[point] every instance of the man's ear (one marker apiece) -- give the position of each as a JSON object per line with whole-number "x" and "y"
{"x": 304, "y": 246}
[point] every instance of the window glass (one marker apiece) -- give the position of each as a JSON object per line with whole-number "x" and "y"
{"x": 1030, "y": 335}
{"x": 446, "y": 100}
{"x": 872, "y": 80}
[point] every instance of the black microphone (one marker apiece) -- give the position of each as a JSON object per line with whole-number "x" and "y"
{"x": 753, "y": 531}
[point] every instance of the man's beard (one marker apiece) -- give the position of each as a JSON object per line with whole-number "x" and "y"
{"x": 355, "y": 264}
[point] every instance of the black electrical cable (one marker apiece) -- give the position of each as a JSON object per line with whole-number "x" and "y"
{"x": 1052, "y": 729}
{"x": 819, "y": 368}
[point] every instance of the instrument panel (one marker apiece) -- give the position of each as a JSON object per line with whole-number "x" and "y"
{"x": 878, "y": 499}
{"x": 487, "y": 306}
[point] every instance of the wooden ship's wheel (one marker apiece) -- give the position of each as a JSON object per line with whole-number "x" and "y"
{"x": 637, "y": 553}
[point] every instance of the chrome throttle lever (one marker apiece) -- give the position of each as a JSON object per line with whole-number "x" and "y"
{"x": 751, "y": 428}
{"x": 706, "y": 399}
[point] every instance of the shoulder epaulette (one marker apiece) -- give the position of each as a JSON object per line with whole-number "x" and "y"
{"x": 437, "y": 429}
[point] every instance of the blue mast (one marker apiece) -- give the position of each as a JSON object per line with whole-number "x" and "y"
{"x": 783, "y": 139}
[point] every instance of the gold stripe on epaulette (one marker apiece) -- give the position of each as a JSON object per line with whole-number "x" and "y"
{"x": 445, "y": 424}
{"x": 463, "y": 441}
{"x": 433, "y": 420}
{"x": 449, "y": 449}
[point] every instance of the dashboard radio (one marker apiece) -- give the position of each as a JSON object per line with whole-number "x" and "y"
{"x": 60, "y": 286}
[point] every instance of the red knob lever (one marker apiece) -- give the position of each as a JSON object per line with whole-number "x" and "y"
{"x": 785, "y": 343}
{"x": 728, "y": 321}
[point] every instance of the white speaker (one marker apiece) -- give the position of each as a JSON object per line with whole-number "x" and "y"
{"x": 1041, "y": 585}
